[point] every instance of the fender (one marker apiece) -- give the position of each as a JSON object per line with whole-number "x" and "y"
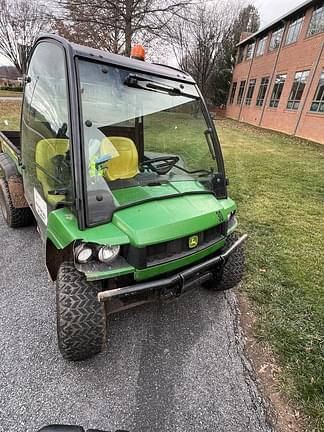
{"x": 7, "y": 167}
{"x": 9, "y": 173}
{"x": 55, "y": 257}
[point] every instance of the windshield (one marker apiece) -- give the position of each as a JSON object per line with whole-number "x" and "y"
{"x": 145, "y": 138}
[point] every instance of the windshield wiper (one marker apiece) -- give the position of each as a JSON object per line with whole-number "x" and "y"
{"x": 136, "y": 81}
{"x": 163, "y": 197}
{"x": 200, "y": 171}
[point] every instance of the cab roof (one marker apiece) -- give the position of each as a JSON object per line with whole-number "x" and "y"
{"x": 76, "y": 50}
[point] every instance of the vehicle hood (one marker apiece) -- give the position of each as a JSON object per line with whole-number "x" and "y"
{"x": 170, "y": 218}
{"x": 147, "y": 223}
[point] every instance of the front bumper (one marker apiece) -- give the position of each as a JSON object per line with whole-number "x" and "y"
{"x": 175, "y": 285}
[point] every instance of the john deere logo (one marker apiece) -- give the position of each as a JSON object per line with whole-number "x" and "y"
{"x": 193, "y": 241}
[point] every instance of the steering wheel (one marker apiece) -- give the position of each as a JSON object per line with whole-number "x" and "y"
{"x": 61, "y": 133}
{"x": 160, "y": 165}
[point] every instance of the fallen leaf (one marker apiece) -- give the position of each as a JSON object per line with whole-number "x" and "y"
{"x": 263, "y": 368}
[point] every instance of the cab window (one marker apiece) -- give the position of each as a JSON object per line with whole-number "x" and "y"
{"x": 45, "y": 126}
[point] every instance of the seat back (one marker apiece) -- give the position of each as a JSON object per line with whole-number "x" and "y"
{"x": 125, "y": 165}
{"x": 46, "y": 149}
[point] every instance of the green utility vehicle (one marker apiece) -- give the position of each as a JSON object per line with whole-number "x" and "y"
{"x": 119, "y": 162}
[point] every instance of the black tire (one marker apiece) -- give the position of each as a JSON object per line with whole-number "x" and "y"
{"x": 232, "y": 272}
{"x": 81, "y": 318}
{"x": 15, "y": 217}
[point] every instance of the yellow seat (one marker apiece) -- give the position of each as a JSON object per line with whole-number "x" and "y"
{"x": 46, "y": 149}
{"x": 123, "y": 166}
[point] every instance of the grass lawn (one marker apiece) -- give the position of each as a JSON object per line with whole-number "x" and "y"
{"x": 9, "y": 115}
{"x": 278, "y": 184}
{"x": 9, "y": 93}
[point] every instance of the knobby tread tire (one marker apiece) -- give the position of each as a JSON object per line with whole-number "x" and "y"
{"x": 233, "y": 271}
{"x": 15, "y": 217}
{"x": 81, "y": 318}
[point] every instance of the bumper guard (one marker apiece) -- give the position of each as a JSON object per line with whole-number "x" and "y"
{"x": 182, "y": 280}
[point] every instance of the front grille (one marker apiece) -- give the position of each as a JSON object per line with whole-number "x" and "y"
{"x": 169, "y": 251}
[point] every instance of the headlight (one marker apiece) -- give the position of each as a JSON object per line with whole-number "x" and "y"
{"x": 231, "y": 220}
{"x": 108, "y": 253}
{"x": 83, "y": 253}
{"x": 231, "y": 215}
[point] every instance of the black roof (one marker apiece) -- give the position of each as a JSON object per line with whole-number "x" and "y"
{"x": 301, "y": 8}
{"x": 164, "y": 71}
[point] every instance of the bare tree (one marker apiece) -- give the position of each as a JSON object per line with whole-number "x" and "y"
{"x": 115, "y": 24}
{"x": 84, "y": 23}
{"x": 199, "y": 40}
{"x": 21, "y": 21}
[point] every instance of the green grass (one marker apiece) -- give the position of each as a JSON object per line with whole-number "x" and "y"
{"x": 9, "y": 115}
{"x": 10, "y": 93}
{"x": 180, "y": 134}
{"x": 278, "y": 184}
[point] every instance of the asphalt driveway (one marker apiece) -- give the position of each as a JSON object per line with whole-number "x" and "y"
{"x": 174, "y": 367}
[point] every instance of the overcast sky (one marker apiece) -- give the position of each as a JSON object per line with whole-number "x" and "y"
{"x": 269, "y": 11}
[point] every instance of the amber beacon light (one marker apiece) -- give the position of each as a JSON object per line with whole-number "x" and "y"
{"x": 138, "y": 52}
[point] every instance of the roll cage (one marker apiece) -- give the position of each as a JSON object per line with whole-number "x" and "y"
{"x": 72, "y": 53}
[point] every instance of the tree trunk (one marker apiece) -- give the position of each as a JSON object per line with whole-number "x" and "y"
{"x": 128, "y": 28}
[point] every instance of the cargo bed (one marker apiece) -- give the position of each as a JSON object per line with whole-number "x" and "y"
{"x": 12, "y": 138}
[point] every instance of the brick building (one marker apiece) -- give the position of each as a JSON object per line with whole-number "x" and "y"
{"x": 278, "y": 81}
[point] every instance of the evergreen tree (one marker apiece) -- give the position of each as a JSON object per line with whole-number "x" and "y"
{"x": 248, "y": 20}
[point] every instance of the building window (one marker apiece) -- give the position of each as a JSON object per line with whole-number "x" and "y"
{"x": 241, "y": 92}
{"x": 240, "y": 57}
{"x": 261, "y": 46}
{"x": 277, "y": 90}
{"x": 233, "y": 91}
{"x": 297, "y": 90}
{"x": 294, "y": 31}
{"x": 317, "y": 22}
{"x": 249, "y": 94}
{"x": 250, "y": 51}
{"x": 276, "y": 39}
{"x": 318, "y": 102}
{"x": 262, "y": 91}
